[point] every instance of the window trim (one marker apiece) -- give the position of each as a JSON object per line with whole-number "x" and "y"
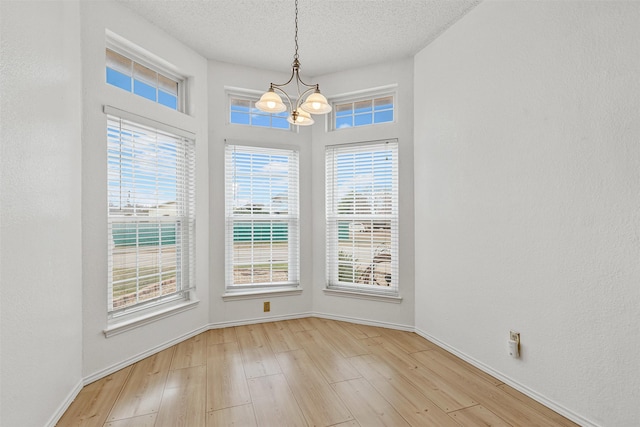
{"x": 363, "y": 95}
{"x": 146, "y": 121}
{"x": 260, "y": 293}
{"x": 147, "y": 59}
{"x": 332, "y": 286}
{"x": 390, "y": 298}
{"x": 144, "y": 318}
{"x": 119, "y": 321}
{"x": 250, "y": 291}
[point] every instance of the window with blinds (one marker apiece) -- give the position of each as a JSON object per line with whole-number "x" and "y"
{"x": 362, "y": 217}
{"x": 151, "y": 185}
{"x": 262, "y": 221}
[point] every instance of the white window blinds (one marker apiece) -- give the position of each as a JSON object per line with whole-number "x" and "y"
{"x": 262, "y": 221}
{"x": 362, "y": 217}
{"x": 151, "y": 185}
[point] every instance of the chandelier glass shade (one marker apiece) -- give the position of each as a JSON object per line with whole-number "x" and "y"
{"x": 271, "y": 102}
{"x": 301, "y": 107}
{"x": 300, "y": 118}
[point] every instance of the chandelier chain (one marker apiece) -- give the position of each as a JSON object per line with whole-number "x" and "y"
{"x": 295, "y": 56}
{"x": 301, "y": 109}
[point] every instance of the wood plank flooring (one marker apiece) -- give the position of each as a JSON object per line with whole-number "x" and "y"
{"x": 304, "y": 372}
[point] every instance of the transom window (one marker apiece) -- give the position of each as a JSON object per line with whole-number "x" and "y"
{"x": 242, "y": 111}
{"x": 262, "y": 221}
{"x": 363, "y": 112}
{"x": 362, "y": 217}
{"x": 149, "y": 83}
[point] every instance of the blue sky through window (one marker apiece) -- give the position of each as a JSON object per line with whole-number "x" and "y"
{"x": 363, "y": 113}
{"x": 142, "y": 171}
{"x": 260, "y": 182}
{"x": 167, "y": 99}
{"x": 118, "y": 79}
{"x": 128, "y": 75}
{"x": 244, "y": 112}
{"x": 365, "y": 178}
{"x": 144, "y": 90}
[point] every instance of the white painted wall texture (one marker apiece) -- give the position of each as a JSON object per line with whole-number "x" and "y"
{"x": 527, "y": 193}
{"x": 40, "y": 234}
{"x": 102, "y": 354}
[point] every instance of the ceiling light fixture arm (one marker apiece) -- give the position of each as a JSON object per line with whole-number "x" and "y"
{"x": 295, "y": 72}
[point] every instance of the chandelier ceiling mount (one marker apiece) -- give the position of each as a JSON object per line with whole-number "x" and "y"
{"x": 315, "y": 103}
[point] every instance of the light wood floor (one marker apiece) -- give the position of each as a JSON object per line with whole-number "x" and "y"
{"x": 304, "y": 372}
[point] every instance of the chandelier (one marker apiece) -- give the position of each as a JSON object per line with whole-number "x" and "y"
{"x": 301, "y": 109}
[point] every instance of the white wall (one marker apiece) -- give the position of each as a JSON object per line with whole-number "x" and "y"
{"x": 398, "y": 73}
{"x": 40, "y": 175}
{"x": 102, "y": 354}
{"x": 222, "y": 76}
{"x": 527, "y": 176}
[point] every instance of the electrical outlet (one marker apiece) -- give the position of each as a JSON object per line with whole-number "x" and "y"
{"x": 267, "y": 306}
{"x": 514, "y": 344}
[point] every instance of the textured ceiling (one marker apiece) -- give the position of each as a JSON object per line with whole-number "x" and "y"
{"x": 333, "y": 35}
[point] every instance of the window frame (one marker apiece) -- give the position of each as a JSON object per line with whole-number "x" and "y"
{"x": 150, "y": 61}
{"x": 292, "y": 218}
{"x": 333, "y": 217}
{"x": 125, "y": 318}
{"x": 251, "y": 96}
{"x": 360, "y": 96}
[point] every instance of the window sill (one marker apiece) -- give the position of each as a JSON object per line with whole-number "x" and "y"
{"x": 396, "y": 299}
{"x": 261, "y": 293}
{"x": 129, "y": 324}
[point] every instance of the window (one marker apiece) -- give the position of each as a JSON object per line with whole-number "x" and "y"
{"x": 151, "y": 188}
{"x": 362, "y": 217}
{"x": 363, "y": 112}
{"x": 150, "y": 83}
{"x": 261, "y": 217}
{"x": 243, "y": 111}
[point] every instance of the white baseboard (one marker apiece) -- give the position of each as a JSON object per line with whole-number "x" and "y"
{"x": 360, "y": 321}
{"x": 131, "y": 360}
{"x": 65, "y": 405}
{"x": 253, "y": 321}
{"x": 511, "y": 382}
